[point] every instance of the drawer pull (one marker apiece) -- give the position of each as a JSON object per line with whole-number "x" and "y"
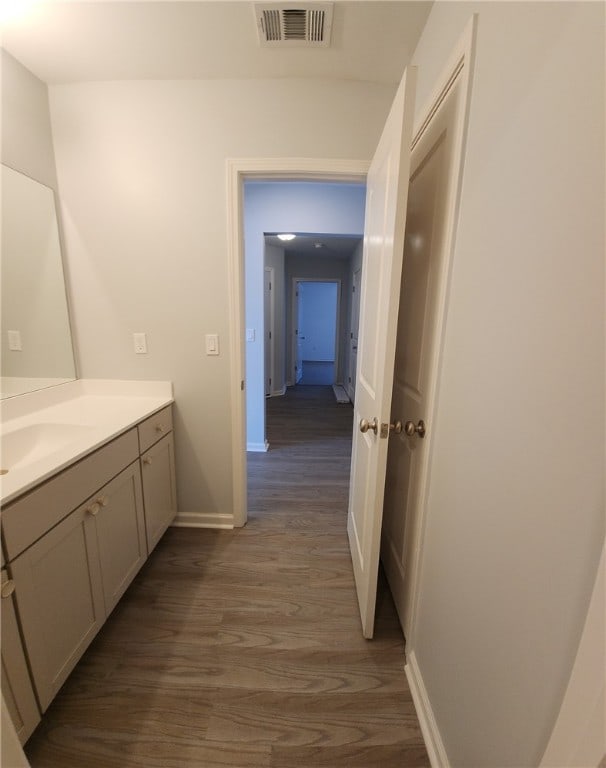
{"x": 159, "y": 428}
{"x": 8, "y": 588}
{"x": 103, "y": 501}
{"x": 94, "y": 508}
{"x": 147, "y": 460}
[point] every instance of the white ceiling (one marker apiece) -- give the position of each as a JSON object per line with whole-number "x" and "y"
{"x": 337, "y": 246}
{"x": 66, "y": 41}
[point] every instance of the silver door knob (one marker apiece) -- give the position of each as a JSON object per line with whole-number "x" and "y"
{"x": 411, "y": 428}
{"x": 8, "y": 588}
{"x": 365, "y": 425}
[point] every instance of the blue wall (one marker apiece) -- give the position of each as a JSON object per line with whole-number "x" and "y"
{"x": 279, "y": 206}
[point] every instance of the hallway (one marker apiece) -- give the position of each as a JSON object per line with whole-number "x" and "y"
{"x": 243, "y": 648}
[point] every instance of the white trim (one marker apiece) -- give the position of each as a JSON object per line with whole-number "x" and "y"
{"x": 429, "y": 727}
{"x": 278, "y": 392}
{"x": 293, "y": 169}
{"x": 257, "y": 447}
{"x": 459, "y": 70}
{"x": 203, "y": 520}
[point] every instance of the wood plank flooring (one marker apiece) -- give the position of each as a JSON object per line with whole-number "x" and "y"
{"x": 243, "y": 648}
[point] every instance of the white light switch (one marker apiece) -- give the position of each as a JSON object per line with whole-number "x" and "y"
{"x": 14, "y": 341}
{"x": 212, "y": 343}
{"x": 250, "y": 334}
{"x": 140, "y": 342}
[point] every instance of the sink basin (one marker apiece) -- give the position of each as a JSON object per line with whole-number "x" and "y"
{"x": 28, "y": 444}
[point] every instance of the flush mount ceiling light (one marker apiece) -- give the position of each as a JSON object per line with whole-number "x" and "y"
{"x": 294, "y": 24}
{"x": 286, "y": 237}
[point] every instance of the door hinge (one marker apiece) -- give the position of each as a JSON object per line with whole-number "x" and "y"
{"x": 270, "y": 382}
{"x": 351, "y": 335}
{"x": 270, "y": 286}
{"x": 353, "y": 289}
{"x": 349, "y": 379}
{"x": 296, "y": 331}
{"x": 270, "y": 334}
{"x": 242, "y": 385}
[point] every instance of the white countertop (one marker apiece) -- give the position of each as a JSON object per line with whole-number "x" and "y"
{"x": 44, "y": 432}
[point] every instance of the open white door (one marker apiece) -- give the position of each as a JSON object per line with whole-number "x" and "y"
{"x": 386, "y": 201}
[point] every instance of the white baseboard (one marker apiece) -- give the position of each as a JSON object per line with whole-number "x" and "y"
{"x": 429, "y": 728}
{"x": 257, "y": 447}
{"x": 278, "y": 392}
{"x": 203, "y": 520}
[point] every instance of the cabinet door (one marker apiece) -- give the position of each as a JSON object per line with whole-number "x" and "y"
{"x": 60, "y": 600}
{"x": 16, "y": 682}
{"x": 120, "y": 529}
{"x": 159, "y": 491}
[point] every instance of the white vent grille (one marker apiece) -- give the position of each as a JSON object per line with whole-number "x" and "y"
{"x": 291, "y": 25}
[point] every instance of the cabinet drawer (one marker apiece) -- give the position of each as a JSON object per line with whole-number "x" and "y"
{"x": 155, "y": 427}
{"x": 30, "y": 517}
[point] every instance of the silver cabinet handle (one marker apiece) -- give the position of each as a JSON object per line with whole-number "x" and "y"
{"x": 94, "y": 508}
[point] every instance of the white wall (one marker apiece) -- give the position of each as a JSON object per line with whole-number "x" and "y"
{"x": 142, "y": 175}
{"x": 274, "y": 257}
{"x": 516, "y": 507}
{"x": 303, "y": 207}
{"x": 354, "y": 263}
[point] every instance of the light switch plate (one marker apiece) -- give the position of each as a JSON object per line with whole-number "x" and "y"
{"x": 212, "y": 343}
{"x": 250, "y": 334}
{"x": 140, "y": 342}
{"x": 14, "y": 341}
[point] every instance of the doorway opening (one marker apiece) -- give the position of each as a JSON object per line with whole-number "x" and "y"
{"x": 302, "y": 239}
{"x": 316, "y": 338}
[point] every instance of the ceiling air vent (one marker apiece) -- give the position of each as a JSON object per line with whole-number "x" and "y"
{"x": 300, "y": 24}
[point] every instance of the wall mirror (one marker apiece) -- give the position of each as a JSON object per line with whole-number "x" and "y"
{"x": 36, "y": 339}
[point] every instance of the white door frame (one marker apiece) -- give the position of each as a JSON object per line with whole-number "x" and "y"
{"x": 259, "y": 169}
{"x": 295, "y": 316}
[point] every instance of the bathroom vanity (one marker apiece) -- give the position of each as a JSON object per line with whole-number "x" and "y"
{"x": 89, "y": 491}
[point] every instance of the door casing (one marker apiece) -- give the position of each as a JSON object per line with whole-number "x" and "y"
{"x": 259, "y": 169}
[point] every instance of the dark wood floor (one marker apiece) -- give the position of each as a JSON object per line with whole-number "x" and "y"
{"x": 243, "y": 648}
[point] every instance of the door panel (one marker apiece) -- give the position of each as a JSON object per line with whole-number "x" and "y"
{"x": 386, "y": 198}
{"x": 414, "y": 371}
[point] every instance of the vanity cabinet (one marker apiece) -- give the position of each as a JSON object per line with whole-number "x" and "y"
{"x": 159, "y": 492}
{"x": 120, "y": 533}
{"x": 158, "y": 474}
{"x": 75, "y": 543}
{"x": 60, "y": 599}
{"x": 16, "y": 683}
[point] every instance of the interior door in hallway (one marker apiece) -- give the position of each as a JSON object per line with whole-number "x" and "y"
{"x": 386, "y": 199}
{"x": 435, "y": 164}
